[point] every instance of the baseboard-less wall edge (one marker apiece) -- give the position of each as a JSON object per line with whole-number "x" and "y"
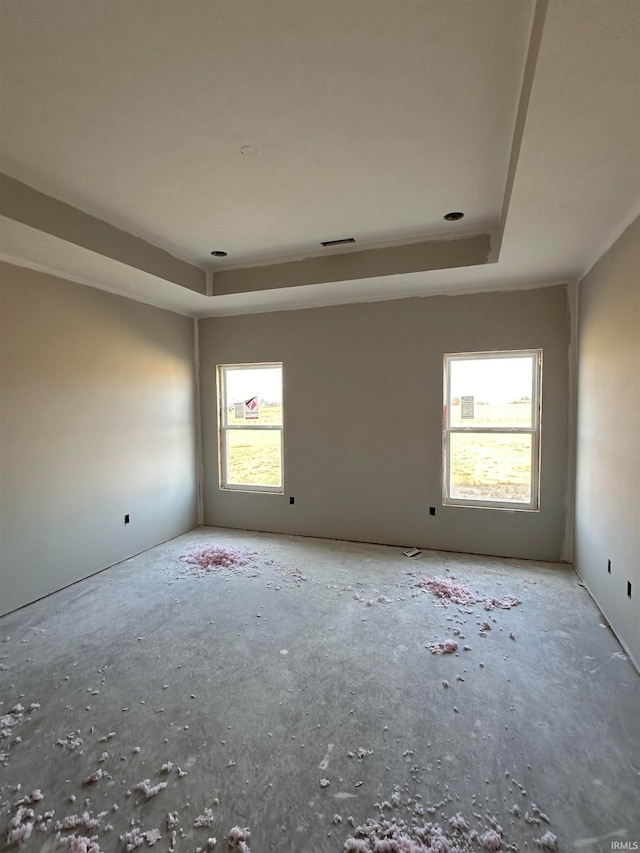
{"x": 93, "y": 574}
{"x": 404, "y": 545}
{"x": 610, "y": 625}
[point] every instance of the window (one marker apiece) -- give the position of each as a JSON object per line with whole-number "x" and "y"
{"x": 250, "y": 427}
{"x": 491, "y": 429}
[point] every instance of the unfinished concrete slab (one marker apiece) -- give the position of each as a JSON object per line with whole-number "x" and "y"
{"x": 295, "y": 695}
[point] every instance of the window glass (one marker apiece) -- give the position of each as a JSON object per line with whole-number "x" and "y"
{"x": 251, "y": 427}
{"x": 253, "y": 395}
{"x": 254, "y": 458}
{"x": 491, "y": 429}
{"x": 491, "y": 391}
{"x": 491, "y": 467}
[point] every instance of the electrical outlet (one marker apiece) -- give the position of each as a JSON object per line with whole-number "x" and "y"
{"x": 609, "y": 566}
{"x": 126, "y": 518}
{"x": 432, "y": 510}
{"x": 292, "y": 500}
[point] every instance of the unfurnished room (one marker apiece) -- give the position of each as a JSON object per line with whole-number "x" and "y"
{"x": 320, "y": 426}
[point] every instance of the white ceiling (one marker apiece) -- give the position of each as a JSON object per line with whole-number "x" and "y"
{"x": 370, "y": 119}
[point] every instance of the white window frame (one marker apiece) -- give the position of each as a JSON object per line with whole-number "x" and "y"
{"x": 534, "y": 430}
{"x": 224, "y": 428}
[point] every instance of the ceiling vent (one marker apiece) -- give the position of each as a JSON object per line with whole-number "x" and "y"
{"x": 341, "y": 242}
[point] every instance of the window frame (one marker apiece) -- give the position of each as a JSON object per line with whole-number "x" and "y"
{"x": 224, "y": 428}
{"x": 535, "y": 430}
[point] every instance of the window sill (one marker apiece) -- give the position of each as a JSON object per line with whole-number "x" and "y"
{"x": 250, "y": 490}
{"x": 498, "y": 507}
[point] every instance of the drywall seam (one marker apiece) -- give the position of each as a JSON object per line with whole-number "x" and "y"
{"x": 87, "y": 282}
{"x": 199, "y": 461}
{"x": 613, "y": 237}
{"x": 91, "y": 575}
{"x": 393, "y": 297}
{"x": 573, "y": 297}
{"x": 609, "y": 623}
{"x": 535, "y": 40}
{"x": 441, "y": 235}
{"x": 51, "y": 216}
{"x": 356, "y": 265}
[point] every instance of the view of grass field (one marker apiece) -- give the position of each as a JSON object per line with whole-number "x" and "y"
{"x": 483, "y": 467}
{"x": 490, "y": 466}
{"x": 254, "y": 455}
{"x": 252, "y": 396}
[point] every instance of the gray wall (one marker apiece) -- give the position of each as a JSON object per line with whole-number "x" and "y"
{"x": 608, "y": 436}
{"x": 97, "y": 419}
{"x": 363, "y": 412}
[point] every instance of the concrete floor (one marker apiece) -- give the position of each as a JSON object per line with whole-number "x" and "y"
{"x": 287, "y": 678}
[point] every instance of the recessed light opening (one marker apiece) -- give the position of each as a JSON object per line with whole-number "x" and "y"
{"x": 453, "y": 216}
{"x": 340, "y": 242}
{"x": 218, "y": 253}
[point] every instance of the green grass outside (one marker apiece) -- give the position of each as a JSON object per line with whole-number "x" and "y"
{"x": 483, "y": 467}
